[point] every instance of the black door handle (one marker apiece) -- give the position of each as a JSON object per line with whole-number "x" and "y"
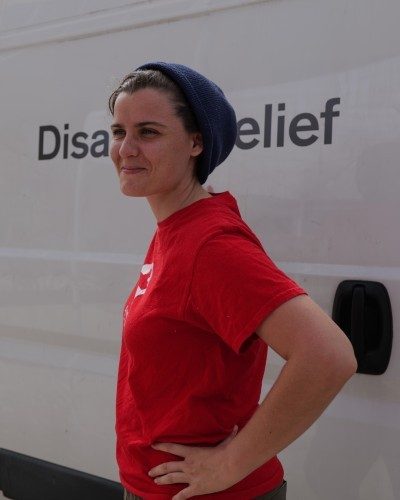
{"x": 362, "y": 310}
{"x": 357, "y": 336}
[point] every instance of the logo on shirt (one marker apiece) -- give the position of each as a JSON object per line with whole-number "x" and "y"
{"x": 145, "y": 276}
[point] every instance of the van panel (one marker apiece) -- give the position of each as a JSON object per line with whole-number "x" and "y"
{"x": 324, "y": 201}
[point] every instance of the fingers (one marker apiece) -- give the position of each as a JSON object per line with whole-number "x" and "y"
{"x": 174, "y": 477}
{"x": 231, "y": 436}
{"x": 234, "y": 432}
{"x": 194, "y": 469}
{"x": 182, "y": 450}
{"x": 165, "y": 468}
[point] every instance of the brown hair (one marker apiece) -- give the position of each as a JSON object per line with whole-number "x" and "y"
{"x": 150, "y": 78}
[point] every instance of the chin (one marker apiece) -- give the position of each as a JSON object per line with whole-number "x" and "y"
{"x": 132, "y": 191}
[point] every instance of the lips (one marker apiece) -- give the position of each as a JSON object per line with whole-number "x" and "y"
{"x": 132, "y": 169}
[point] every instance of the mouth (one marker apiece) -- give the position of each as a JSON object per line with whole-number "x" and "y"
{"x": 132, "y": 170}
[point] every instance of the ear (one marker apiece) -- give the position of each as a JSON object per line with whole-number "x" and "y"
{"x": 197, "y": 144}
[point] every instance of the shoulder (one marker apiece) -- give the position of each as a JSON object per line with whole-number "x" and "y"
{"x": 230, "y": 244}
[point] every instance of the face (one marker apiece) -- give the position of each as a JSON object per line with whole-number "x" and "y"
{"x": 152, "y": 152}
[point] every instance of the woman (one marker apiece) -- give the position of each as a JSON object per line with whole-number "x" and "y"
{"x": 207, "y": 304}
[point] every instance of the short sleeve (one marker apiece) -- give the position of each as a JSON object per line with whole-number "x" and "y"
{"x": 235, "y": 286}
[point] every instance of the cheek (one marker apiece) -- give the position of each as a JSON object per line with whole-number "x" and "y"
{"x": 114, "y": 152}
{"x": 176, "y": 154}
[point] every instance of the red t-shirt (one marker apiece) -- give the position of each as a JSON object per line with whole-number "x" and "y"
{"x": 191, "y": 364}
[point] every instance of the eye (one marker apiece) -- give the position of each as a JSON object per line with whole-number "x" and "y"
{"x": 148, "y": 131}
{"x": 117, "y": 132}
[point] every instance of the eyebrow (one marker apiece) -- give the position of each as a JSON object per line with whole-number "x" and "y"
{"x": 140, "y": 124}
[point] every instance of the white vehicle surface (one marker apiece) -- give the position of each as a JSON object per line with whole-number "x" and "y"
{"x": 315, "y": 86}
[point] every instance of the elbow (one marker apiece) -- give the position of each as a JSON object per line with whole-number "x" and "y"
{"x": 350, "y": 366}
{"x": 343, "y": 358}
{"x": 350, "y": 363}
{"x": 354, "y": 364}
{"x": 344, "y": 364}
{"x": 336, "y": 360}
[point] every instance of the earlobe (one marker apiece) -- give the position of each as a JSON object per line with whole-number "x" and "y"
{"x": 197, "y": 145}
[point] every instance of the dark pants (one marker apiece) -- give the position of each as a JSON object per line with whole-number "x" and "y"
{"x": 277, "y": 494}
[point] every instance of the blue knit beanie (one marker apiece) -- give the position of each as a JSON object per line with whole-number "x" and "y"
{"x": 215, "y": 116}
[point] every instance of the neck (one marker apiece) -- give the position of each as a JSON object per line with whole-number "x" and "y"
{"x": 165, "y": 204}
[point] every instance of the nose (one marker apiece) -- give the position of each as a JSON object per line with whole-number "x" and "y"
{"x": 129, "y": 147}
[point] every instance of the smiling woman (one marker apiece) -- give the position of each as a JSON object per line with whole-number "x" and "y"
{"x": 208, "y": 303}
{"x": 151, "y": 150}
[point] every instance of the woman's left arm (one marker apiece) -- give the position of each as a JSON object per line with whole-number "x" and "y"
{"x": 320, "y": 360}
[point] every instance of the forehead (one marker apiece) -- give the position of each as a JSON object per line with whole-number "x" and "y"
{"x": 144, "y": 105}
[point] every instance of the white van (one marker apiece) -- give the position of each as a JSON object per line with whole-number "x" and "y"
{"x": 315, "y": 85}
